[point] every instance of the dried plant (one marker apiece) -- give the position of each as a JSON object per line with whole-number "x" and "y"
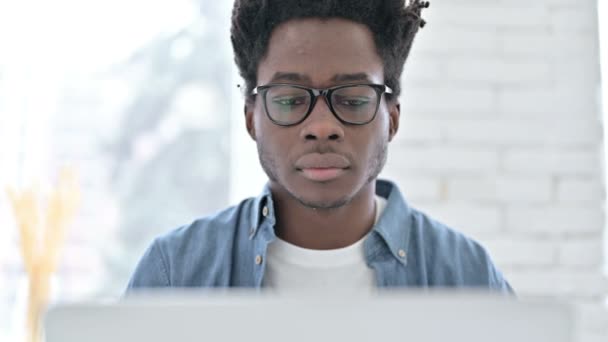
{"x": 42, "y": 235}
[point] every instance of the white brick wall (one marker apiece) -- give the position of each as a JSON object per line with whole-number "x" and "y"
{"x": 580, "y": 252}
{"x": 501, "y": 137}
{"x": 583, "y": 191}
{"x": 550, "y": 162}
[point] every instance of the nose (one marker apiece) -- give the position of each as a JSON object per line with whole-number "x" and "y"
{"x": 321, "y": 124}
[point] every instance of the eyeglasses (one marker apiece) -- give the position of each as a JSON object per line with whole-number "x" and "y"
{"x": 354, "y": 104}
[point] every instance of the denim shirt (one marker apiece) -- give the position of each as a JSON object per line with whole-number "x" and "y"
{"x": 405, "y": 248}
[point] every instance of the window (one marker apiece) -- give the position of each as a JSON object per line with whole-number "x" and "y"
{"x": 129, "y": 95}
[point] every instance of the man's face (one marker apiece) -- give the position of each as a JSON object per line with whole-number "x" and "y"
{"x": 321, "y": 162}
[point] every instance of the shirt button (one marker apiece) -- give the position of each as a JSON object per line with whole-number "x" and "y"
{"x": 258, "y": 259}
{"x": 402, "y": 253}
{"x": 265, "y": 211}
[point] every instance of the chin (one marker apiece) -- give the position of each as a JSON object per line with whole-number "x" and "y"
{"x": 322, "y": 195}
{"x": 322, "y": 203}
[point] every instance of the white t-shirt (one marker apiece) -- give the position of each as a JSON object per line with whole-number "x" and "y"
{"x": 289, "y": 267}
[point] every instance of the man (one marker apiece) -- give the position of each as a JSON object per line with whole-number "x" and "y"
{"x": 322, "y": 87}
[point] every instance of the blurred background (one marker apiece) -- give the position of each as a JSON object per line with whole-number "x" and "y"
{"x": 501, "y": 135}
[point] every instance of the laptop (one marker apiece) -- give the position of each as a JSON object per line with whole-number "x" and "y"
{"x": 265, "y": 317}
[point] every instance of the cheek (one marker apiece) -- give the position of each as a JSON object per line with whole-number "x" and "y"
{"x": 384, "y": 119}
{"x": 380, "y": 128}
{"x": 367, "y": 147}
{"x": 263, "y": 128}
{"x": 272, "y": 139}
{"x": 377, "y": 138}
{"x": 258, "y": 116}
{"x": 384, "y": 127}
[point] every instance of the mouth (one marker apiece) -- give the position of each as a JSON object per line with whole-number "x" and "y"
{"x": 322, "y": 174}
{"x": 322, "y": 167}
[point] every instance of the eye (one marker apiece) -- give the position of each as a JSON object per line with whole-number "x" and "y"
{"x": 352, "y": 101}
{"x": 289, "y": 101}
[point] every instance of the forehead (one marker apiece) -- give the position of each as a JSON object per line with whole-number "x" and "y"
{"x": 320, "y": 49}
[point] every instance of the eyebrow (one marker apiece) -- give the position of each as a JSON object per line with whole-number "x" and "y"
{"x": 289, "y": 76}
{"x": 295, "y": 77}
{"x": 350, "y": 77}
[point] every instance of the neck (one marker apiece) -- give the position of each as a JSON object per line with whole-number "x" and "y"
{"x": 324, "y": 228}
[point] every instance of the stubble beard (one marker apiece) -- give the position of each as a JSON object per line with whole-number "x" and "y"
{"x": 374, "y": 168}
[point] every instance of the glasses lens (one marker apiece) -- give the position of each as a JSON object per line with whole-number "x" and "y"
{"x": 286, "y": 104}
{"x": 355, "y": 104}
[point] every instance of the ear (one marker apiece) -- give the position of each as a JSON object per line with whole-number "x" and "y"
{"x": 394, "y": 114}
{"x": 248, "y": 109}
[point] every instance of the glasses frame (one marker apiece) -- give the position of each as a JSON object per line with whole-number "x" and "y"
{"x": 326, "y": 93}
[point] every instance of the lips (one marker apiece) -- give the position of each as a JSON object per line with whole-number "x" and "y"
{"x": 322, "y": 167}
{"x": 322, "y": 161}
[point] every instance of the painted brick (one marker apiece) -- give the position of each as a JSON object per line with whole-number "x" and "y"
{"x": 477, "y": 220}
{"x": 558, "y": 283}
{"x": 521, "y": 252}
{"x": 555, "y": 220}
{"x": 549, "y": 103}
{"x": 582, "y": 252}
{"x": 545, "y": 46}
{"x": 586, "y": 190}
{"x": 421, "y": 70}
{"x": 447, "y": 101}
{"x": 580, "y": 19}
{"x": 523, "y": 132}
{"x": 538, "y": 161}
{"x": 578, "y": 71}
{"x": 502, "y": 189}
{"x": 500, "y": 71}
{"x": 457, "y": 41}
{"x": 421, "y": 131}
{"x": 443, "y": 160}
{"x": 490, "y": 15}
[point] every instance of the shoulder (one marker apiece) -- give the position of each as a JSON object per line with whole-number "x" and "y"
{"x": 453, "y": 258}
{"x": 445, "y": 240}
{"x": 177, "y": 257}
{"x": 207, "y": 232}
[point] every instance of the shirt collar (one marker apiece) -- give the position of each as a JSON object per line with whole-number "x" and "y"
{"x": 395, "y": 222}
{"x": 263, "y": 209}
{"x": 393, "y": 227}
